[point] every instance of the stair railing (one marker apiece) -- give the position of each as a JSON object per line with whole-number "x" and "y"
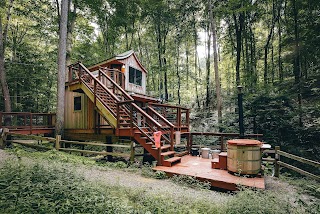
{"x": 83, "y": 75}
{"x": 177, "y": 115}
{"x": 167, "y": 127}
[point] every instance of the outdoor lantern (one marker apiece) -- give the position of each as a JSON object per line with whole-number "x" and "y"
{"x": 123, "y": 68}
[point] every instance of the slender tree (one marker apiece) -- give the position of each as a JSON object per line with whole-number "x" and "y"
{"x": 3, "y": 39}
{"x": 215, "y": 63}
{"x": 62, "y": 66}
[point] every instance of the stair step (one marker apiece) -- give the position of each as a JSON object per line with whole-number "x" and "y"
{"x": 168, "y": 153}
{"x": 164, "y": 147}
{"x": 169, "y": 162}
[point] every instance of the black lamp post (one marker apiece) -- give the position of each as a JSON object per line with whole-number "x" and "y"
{"x": 240, "y": 106}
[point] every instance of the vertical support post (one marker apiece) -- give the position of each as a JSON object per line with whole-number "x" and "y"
{"x": 222, "y": 143}
{"x": 276, "y": 165}
{"x": 58, "y": 139}
{"x": 159, "y": 163}
{"x": 131, "y": 120}
{"x": 95, "y": 106}
{"x": 188, "y": 118}
{"x": 69, "y": 74}
{"x": 171, "y": 137}
{"x": 240, "y": 106}
{"x": 179, "y": 117}
{"x": 190, "y": 142}
{"x": 0, "y": 119}
{"x": 132, "y": 153}
{"x": 30, "y": 123}
{"x": 118, "y": 118}
{"x": 109, "y": 148}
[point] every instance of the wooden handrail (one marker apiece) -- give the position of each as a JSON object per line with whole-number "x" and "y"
{"x": 146, "y": 115}
{"x": 167, "y": 105}
{"x": 100, "y": 83}
{"x": 161, "y": 117}
{"x": 118, "y": 87}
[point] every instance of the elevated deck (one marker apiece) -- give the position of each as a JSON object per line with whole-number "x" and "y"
{"x": 201, "y": 169}
{"x": 28, "y": 123}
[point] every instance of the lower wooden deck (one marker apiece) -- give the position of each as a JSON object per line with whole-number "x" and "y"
{"x": 201, "y": 169}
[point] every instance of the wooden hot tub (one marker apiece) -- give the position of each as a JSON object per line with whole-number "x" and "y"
{"x": 244, "y": 156}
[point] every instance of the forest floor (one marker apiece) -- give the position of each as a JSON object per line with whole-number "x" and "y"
{"x": 151, "y": 187}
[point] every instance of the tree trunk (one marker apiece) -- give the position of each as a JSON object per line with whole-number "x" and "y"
{"x": 70, "y": 28}
{"x": 177, "y": 71}
{"x": 279, "y": 45}
{"x": 195, "y": 37}
{"x": 187, "y": 62}
{"x": 61, "y": 67}
{"x": 266, "y": 47}
{"x": 296, "y": 67}
{"x": 3, "y": 78}
{"x": 208, "y": 68}
{"x": 238, "y": 28}
{"x": 216, "y": 68}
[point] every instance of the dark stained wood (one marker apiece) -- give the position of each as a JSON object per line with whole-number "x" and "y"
{"x": 201, "y": 169}
{"x": 300, "y": 159}
{"x": 299, "y": 170}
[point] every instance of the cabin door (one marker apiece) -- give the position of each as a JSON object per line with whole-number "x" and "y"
{"x": 119, "y": 75}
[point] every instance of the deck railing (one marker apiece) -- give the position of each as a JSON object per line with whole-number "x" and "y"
{"x": 27, "y": 120}
{"x": 222, "y": 137}
{"x": 176, "y": 115}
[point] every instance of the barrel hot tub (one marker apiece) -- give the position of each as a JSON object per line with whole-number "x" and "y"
{"x": 244, "y": 156}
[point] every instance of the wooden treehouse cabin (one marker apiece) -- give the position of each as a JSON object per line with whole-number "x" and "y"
{"x": 109, "y": 99}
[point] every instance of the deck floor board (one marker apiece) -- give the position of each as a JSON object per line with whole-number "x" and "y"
{"x": 201, "y": 169}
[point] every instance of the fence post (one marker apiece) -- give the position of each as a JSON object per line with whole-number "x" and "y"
{"x": 109, "y": 148}
{"x": 132, "y": 153}
{"x": 276, "y": 165}
{"x": 58, "y": 139}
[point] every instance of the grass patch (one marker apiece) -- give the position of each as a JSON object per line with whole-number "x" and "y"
{"x": 190, "y": 181}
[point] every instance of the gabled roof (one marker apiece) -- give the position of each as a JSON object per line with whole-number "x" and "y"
{"x": 118, "y": 59}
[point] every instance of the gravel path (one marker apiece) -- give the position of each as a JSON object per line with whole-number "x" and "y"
{"x": 131, "y": 180}
{"x": 150, "y": 186}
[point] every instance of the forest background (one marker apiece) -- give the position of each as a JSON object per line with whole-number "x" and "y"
{"x": 196, "y": 51}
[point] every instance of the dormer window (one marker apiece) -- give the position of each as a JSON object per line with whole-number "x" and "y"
{"x": 135, "y": 76}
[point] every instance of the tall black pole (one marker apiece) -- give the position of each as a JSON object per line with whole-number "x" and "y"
{"x": 241, "y": 126}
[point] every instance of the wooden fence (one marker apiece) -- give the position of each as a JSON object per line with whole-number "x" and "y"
{"x": 278, "y": 163}
{"x": 58, "y": 142}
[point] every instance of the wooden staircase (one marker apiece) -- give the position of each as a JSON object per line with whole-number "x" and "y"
{"x": 118, "y": 108}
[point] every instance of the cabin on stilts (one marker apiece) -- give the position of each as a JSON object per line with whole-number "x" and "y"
{"x": 110, "y": 99}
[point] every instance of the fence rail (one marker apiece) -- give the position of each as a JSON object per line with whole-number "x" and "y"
{"x": 56, "y": 142}
{"x": 278, "y": 163}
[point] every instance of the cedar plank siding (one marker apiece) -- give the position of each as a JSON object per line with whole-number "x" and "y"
{"x": 82, "y": 119}
{"x": 131, "y": 62}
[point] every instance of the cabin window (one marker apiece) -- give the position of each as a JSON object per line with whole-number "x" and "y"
{"x": 135, "y": 76}
{"x": 77, "y": 103}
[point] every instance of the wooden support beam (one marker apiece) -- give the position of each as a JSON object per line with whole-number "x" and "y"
{"x": 298, "y": 170}
{"x": 300, "y": 159}
{"x": 94, "y": 144}
{"x": 57, "y": 144}
{"x": 132, "y": 152}
{"x": 277, "y": 158}
{"x": 34, "y": 146}
{"x": 109, "y": 148}
{"x": 95, "y": 152}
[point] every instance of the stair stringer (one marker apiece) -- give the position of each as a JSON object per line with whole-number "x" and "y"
{"x": 100, "y": 107}
{"x": 148, "y": 147}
